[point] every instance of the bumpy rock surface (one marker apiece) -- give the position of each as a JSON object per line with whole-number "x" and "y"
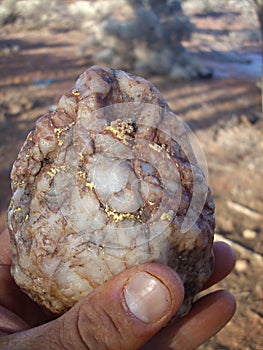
{"x": 107, "y": 181}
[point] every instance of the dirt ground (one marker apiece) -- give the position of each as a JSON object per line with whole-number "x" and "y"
{"x": 225, "y": 112}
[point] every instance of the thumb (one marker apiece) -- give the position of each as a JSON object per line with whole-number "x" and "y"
{"x": 124, "y": 313}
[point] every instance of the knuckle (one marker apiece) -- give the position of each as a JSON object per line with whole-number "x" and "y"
{"x": 97, "y": 327}
{"x": 69, "y": 336}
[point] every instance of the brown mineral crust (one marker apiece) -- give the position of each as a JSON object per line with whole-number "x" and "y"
{"x": 96, "y": 192}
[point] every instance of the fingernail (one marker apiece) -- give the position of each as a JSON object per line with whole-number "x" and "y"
{"x": 146, "y": 297}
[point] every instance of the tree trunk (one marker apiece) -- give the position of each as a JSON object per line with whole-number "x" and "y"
{"x": 259, "y": 9}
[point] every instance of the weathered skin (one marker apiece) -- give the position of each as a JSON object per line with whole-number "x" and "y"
{"x": 96, "y": 191}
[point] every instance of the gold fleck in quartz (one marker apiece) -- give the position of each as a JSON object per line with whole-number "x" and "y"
{"x": 77, "y": 94}
{"x": 120, "y": 216}
{"x": 55, "y": 170}
{"x": 60, "y": 131}
{"x": 89, "y": 185}
{"x": 82, "y": 174}
{"x": 122, "y": 130}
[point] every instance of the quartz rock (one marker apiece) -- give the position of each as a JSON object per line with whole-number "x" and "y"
{"x": 107, "y": 181}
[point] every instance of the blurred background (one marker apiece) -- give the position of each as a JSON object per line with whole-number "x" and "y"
{"x": 205, "y": 56}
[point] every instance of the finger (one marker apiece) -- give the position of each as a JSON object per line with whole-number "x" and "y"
{"x": 124, "y": 313}
{"x": 13, "y": 299}
{"x": 5, "y": 251}
{"x": 10, "y": 322}
{"x": 9, "y": 291}
{"x": 207, "y": 317}
{"x": 224, "y": 263}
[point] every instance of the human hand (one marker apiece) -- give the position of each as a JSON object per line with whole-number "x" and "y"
{"x": 121, "y": 314}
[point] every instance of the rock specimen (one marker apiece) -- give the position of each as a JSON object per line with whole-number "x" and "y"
{"x": 107, "y": 181}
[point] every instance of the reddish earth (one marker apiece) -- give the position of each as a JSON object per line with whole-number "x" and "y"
{"x": 224, "y": 112}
